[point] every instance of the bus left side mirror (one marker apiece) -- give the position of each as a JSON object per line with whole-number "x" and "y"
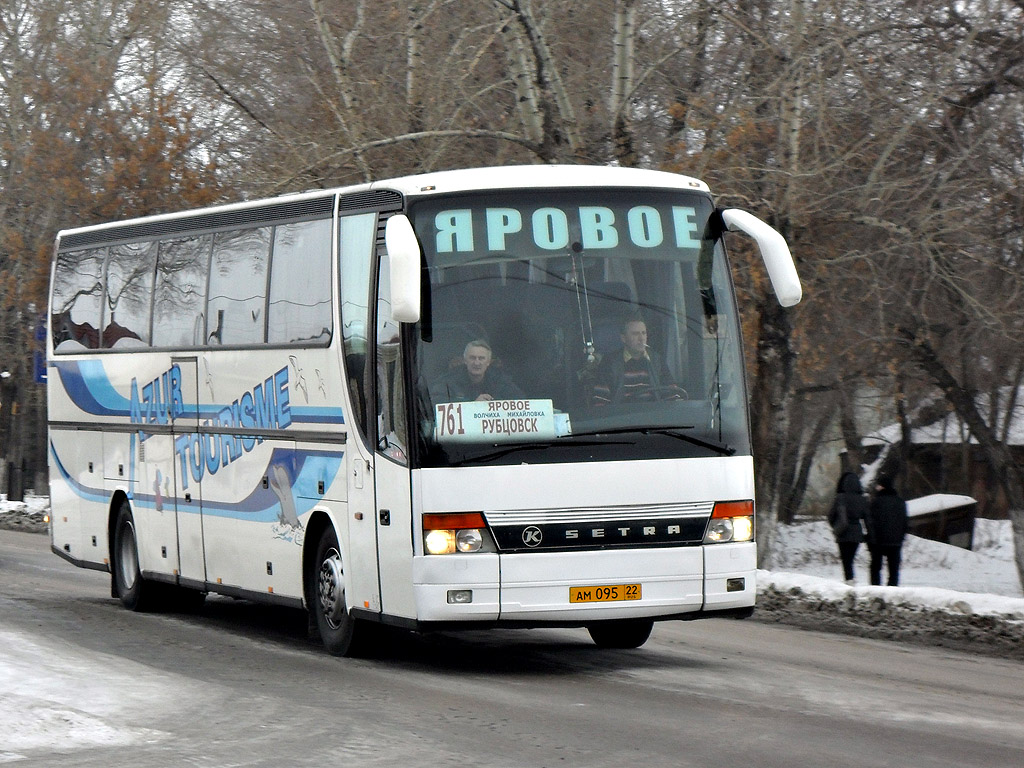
{"x": 404, "y": 254}
{"x": 775, "y": 252}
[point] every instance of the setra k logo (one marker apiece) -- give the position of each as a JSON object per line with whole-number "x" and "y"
{"x": 532, "y": 536}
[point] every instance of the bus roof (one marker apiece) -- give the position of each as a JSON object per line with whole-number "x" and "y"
{"x": 522, "y": 176}
{"x": 446, "y": 182}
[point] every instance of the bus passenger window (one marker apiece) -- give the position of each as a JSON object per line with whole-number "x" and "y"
{"x": 77, "y": 297}
{"x": 238, "y": 287}
{"x": 300, "y": 283}
{"x": 180, "y": 296}
{"x": 129, "y": 295}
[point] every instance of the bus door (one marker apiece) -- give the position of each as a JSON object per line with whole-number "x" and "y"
{"x": 358, "y": 530}
{"x": 362, "y": 580}
{"x": 187, "y": 489}
{"x": 378, "y": 573}
{"x": 392, "y": 476}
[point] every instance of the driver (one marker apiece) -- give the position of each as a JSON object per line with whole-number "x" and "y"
{"x": 633, "y": 375}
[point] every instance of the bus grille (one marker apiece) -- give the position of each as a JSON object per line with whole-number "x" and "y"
{"x": 600, "y": 527}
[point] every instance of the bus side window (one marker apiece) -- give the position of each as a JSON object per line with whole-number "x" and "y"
{"x": 180, "y": 296}
{"x": 300, "y": 283}
{"x": 238, "y": 287}
{"x": 129, "y": 295}
{"x": 77, "y": 297}
{"x": 356, "y": 235}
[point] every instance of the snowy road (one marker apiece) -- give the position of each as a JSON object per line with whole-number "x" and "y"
{"x": 85, "y": 683}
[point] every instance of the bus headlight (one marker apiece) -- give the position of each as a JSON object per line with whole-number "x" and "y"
{"x": 718, "y": 531}
{"x": 742, "y": 528}
{"x": 446, "y": 534}
{"x": 731, "y": 521}
{"x": 439, "y": 542}
{"x": 469, "y": 540}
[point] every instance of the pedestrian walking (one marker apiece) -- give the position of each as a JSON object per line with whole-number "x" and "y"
{"x": 887, "y": 527}
{"x": 846, "y": 520}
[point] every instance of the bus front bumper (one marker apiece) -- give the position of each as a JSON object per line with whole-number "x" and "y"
{"x": 537, "y": 588}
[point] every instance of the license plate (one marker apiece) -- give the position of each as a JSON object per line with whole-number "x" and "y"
{"x": 604, "y": 594}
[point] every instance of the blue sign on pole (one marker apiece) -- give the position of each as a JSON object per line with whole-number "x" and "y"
{"x": 40, "y": 354}
{"x": 40, "y": 367}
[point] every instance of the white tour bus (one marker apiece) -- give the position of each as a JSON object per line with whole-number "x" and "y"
{"x": 490, "y": 397}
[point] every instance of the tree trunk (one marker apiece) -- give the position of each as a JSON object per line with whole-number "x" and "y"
{"x": 768, "y": 412}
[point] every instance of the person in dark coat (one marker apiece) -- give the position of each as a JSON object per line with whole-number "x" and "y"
{"x": 887, "y": 527}
{"x": 476, "y": 380}
{"x": 851, "y": 503}
{"x": 633, "y": 375}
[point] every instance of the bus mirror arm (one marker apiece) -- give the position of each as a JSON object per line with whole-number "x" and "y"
{"x": 774, "y": 250}
{"x": 404, "y": 254}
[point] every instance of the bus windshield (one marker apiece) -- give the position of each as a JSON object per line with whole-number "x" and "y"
{"x": 574, "y": 324}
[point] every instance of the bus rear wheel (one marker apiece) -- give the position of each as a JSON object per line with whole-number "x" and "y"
{"x": 623, "y": 633}
{"x": 339, "y": 631}
{"x": 134, "y": 592}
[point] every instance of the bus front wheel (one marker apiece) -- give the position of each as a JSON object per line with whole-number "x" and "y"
{"x": 134, "y": 592}
{"x": 338, "y": 630}
{"x": 624, "y": 633}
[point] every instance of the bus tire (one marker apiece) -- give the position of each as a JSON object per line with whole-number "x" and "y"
{"x": 134, "y": 592}
{"x": 339, "y": 632}
{"x": 622, "y": 633}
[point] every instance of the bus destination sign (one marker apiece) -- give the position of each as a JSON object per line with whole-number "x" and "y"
{"x": 498, "y": 421}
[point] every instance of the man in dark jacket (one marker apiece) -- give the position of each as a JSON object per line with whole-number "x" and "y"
{"x": 848, "y": 510}
{"x": 632, "y": 375}
{"x": 887, "y": 526}
{"x": 476, "y": 380}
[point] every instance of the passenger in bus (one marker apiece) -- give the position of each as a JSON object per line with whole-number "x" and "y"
{"x": 633, "y": 374}
{"x": 476, "y": 379}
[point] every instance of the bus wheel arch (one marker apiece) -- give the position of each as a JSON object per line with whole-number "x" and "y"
{"x": 314, "y": 529}
{"x": 340, "y": 632}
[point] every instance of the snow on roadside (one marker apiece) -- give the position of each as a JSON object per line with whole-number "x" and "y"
{"x": 54, "y": 694}
{"x": 933, "y": 576}
{"x": 28, "y": 515}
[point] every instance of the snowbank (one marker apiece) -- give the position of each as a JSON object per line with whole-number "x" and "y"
{"x": 969, "y": 599}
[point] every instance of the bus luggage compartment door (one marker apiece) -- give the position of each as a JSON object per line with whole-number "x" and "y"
{"x": 187, "y": 492}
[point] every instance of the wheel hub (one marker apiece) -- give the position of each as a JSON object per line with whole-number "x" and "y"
{"x": 331, "y": 588}
{"x": 128, "y": 560}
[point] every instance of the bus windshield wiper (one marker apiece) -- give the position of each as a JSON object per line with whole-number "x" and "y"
{"x": 713, "y": 445}
{"x": 513, "y": 447}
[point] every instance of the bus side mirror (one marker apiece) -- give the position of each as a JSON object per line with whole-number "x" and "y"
{"x": 777, "y": 258}
{"x": 404, "y": 254}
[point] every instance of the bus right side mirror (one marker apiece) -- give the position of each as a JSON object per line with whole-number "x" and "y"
{"x": 775, "y": 252}
{"x": 404, "y": 254}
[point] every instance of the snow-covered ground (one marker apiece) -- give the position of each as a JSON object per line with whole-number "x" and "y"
{"x": 932, "y": 575}
{"x": 45, "y": 694}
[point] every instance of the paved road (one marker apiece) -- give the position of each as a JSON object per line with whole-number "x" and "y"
{"x": 240, "y": 685}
